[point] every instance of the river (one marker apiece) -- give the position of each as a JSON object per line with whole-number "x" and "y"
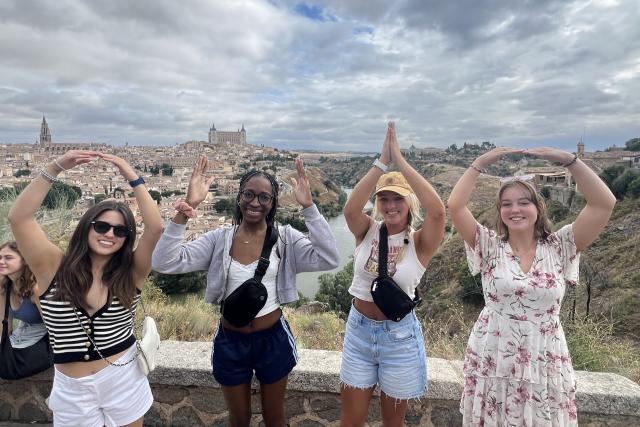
{"x": 308, "y": 283}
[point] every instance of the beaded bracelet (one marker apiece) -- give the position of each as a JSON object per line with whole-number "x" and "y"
{"x": 48, "y": 177}
{"x": 575, "y": 157}
{"x": 477, "y": 169}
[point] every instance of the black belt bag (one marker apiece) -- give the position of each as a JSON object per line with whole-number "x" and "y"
{"x": 245, "y": 302}
{"x": 387, "y": 295}
{"x": 16, "y": 363}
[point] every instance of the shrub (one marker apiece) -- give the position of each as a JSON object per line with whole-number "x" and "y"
{"x": 334, "y": 290}
{"x": 179, "y": 283}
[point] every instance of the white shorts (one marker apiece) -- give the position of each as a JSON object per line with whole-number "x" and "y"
{"x": 115, "y": 396}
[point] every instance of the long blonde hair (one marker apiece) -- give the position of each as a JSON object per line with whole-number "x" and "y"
{"x": 414, "y": 220}
{"x": 542, "y": 227}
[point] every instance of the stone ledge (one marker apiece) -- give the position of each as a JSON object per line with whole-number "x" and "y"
{"x": 188, "y": 364}
{"x": 186, "y": 393}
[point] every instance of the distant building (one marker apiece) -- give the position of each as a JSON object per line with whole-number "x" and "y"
{"x": 51, "y": 148}
{"x": 45, "y": 134}
{"x": 221, "y": 137}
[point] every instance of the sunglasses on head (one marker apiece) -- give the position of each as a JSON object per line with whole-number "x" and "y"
{"x": 263, "y": 198}
{"x": 517, "y": 178}
{"x": 102, "y": 227}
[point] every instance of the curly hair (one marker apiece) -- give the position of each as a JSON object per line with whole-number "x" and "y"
{"x": 25, "y": 282}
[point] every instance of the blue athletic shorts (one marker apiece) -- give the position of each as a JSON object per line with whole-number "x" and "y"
{"x": 390, "y": 354}
{"x": 271, "y": 353}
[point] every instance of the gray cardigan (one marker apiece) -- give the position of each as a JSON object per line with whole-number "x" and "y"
{"x": 212, "y": 252}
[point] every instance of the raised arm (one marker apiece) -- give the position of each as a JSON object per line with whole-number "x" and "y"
{"x": 429, "y": 237}
{"x": 461, "y": 216}
{"x": 357, "y": 221}
{"x": 600, "y": 200}
{"x": 199, "y": 184}
{"x": 319, "y": 250}
{"x": 150, "y": 218}
{"x": 42, "y": 256}
{"x": 172, "y": 255}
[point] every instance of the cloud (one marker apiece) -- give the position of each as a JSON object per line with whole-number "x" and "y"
{"x": 324, "y": 74}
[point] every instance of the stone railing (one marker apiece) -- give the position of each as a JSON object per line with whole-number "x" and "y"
{"x": 186, "y": 394}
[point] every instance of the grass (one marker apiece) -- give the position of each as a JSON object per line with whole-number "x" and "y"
{"x": 592, "y": 345}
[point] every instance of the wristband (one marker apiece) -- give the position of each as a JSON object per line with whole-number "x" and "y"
{"x": 377, "y": 163}
{"x": 477, "y": 169}
{"x": 566, "y": 165}
{"x": 136, "y": 182}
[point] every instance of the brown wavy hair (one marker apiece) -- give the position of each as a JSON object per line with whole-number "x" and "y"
{"x": 74, "y": 275}
{"x": 542, "y": 227}
{"x": 26, "y": 280}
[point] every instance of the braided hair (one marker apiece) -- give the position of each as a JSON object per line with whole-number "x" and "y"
{"x": 270, "y": 218}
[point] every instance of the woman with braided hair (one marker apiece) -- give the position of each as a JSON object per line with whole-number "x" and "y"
{"x": 231, "y": 256}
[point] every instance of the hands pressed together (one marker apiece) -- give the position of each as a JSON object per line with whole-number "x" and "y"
{"x": 554, "y": 155}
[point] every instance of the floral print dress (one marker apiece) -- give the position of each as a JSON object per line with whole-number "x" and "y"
{"x": 517, "y": 367}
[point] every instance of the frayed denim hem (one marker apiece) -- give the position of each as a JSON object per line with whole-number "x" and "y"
{"x": 344, "y": 384}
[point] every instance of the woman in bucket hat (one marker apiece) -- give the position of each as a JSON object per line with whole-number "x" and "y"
{"x": 378, "y": 350}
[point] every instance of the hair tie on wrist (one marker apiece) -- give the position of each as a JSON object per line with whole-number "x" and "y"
{"x": 185, "y": 209}
{"x": 566, "y": 165}
{"x": 477, "y": 169}
{"x": 55, "y": 162}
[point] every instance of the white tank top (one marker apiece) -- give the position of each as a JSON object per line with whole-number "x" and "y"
{"x": 402, "y": 260}
{"x": 239, "y": 273}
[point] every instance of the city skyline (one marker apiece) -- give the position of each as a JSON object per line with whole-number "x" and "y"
{"x": 322, "y": 75}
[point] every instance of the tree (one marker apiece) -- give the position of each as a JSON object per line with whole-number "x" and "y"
{"x": 167, "y": 170}
{"x": 633, "y": 144}
{"x": 97, "y": 198}
{"x": 334, "y": 290}
{"x": 633, "y": 189}
{"x": 180, "y": 283}
{"x": 610, "y": 173}
{"x": 22, "y": 172}
{"x": 61, "y": 195}
{"x": 620, "y": 184}
{"x": 470, "y": 286}
{"x": 155, "y": 195}
{"x": 227, "y": 206}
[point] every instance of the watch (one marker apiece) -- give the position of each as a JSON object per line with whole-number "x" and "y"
{"x": 377, "y": 163}
{"x": 136, "y": 182}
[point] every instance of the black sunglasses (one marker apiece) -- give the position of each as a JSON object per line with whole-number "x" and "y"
{"x": 102, "y": 227}
{"x": 263, "y": 198}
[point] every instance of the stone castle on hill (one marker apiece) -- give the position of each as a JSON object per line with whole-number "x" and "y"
{"x": 230, "y": 137}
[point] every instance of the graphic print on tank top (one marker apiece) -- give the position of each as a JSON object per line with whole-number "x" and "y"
{"x": 393, "y": 258}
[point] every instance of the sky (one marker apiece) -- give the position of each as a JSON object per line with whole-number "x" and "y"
{"x": 323, "y": 74}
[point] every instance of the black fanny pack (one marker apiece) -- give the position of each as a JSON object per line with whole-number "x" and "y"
{"x": 387, "y": 295}
{"x": 245, "y": 302}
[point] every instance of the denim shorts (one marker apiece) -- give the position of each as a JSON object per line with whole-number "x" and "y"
{"x": 271, "y": 353}
{"x": 390, "y": 354}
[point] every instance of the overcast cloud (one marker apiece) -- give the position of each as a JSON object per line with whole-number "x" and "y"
{"x": 324, "y": 74}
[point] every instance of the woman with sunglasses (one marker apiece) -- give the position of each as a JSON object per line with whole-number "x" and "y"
{"x": 517, "y": 366}
{"x": 230, "y": 256}
{"x": 88, "y": 297}
{"x": 378, "y": 350}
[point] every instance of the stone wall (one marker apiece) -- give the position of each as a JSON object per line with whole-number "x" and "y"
{"x": 186, "y": 394}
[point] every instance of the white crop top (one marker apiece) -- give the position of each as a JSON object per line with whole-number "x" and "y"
{"x": 239, "y": 273}
{"x": 402, "y": 260}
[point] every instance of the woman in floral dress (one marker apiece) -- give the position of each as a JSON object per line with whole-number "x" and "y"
{"x": 517, "y": 366}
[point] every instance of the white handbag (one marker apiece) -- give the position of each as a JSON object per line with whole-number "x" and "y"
{"x": 148, "y": 345}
